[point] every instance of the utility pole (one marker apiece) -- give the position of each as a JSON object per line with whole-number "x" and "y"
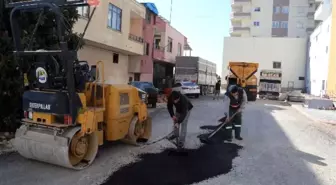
{"x": 171, "y": 10}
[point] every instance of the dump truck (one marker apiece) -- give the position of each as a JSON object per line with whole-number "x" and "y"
{"x": 270, "y": 84}
{"x": 198, "y": 70}
{"x": 242, "y": 74}
{"x": 69, "y": 111}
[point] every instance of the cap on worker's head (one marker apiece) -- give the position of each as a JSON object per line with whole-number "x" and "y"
{"x": 175, "y": 95}
{"x": 233, "y": 88}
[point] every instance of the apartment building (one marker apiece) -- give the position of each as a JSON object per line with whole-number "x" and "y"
{"x": 272, "y": 33}
{"x": 321, "y": 66}
{"x": 272, "y": 18}
{"x": 168, "y": 43}
{"x": 114, "y": 36}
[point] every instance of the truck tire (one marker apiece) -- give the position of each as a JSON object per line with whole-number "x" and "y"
{"x": 154, "y": 105}
{"x": 197, "y": 96}
{"x": 252, "y": 98}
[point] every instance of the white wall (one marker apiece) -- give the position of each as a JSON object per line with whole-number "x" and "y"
{"x": 264, "y": 17}
{"x": 290, "y": 51}
{"x": 319, "y": 56}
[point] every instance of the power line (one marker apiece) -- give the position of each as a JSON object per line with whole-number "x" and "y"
{"x": 171, "y": 10}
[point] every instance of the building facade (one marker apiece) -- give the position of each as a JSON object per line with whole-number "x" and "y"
{"x": 168, "y": 43}
{"x": 272, "y": 18}
{"x": 285, "y": 54}
{"x": 321, "y": 62}
{"x": 114, "y": 36}
{"x": 134, "y": 43}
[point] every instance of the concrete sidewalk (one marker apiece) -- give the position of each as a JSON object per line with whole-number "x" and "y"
{"x": 324, "y": 116}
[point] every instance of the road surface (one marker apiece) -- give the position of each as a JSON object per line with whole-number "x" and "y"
{"x": 280, "y": 147}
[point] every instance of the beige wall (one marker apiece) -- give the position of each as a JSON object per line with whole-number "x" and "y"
{"x": 102, "y": 41}
{"x": 114, "y": 73}
{"x": 99, "y": 32}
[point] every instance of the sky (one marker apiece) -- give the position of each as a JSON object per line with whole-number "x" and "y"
{"x": 204, "y": 22}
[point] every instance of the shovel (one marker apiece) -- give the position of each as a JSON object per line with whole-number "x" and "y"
{"x": 206, "y": 139}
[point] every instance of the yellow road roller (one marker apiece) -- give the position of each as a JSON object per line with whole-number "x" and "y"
{"x": 68, "y": 109}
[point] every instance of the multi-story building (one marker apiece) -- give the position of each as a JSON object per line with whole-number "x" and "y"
{"x": 168, "y": 43}
{"x": 272, "y": 18}
{"x": 272, "y": 33}
{"x": 321, "y": 59}
{"x": 114, "y": 36}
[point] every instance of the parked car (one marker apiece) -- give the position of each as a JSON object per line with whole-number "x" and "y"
{"x": 148, "y": 87}
{"x": 190, "y": 89}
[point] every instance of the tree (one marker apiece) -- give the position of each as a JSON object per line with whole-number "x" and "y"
{"x": 11, "y": 71}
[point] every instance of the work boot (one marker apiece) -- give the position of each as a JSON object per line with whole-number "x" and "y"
{"x": 227, "y": 140}
{"x": 239, "y": 138}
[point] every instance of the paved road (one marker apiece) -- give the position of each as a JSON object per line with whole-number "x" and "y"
{"x": 280, "y": 147}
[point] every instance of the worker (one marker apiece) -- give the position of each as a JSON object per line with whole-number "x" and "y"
{"x": 183, "y": 107}
{"x": 217, "y": 90}
{"x": 235, "y": 100}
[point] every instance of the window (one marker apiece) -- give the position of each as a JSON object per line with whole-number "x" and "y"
{"x": 256, "y": 23}
{"x": 300, "y": 10}
{"x": 323, "y": 84}
{"x": 170, "y": 45}
{"x": 83, "y": 11}
{"x": 328, "y": 28}
{"x": 299, "y": 25}
{"x": 276, "y": 9}
{"x": 311, "y": 5}
{"x": 275, "y": 24}
{"x": 115, "y": 58}
{"x": 285, "y": 10}
{"x": 257, "y": 9}
{"x": 327, "y": 49}
{"x": 179, "y": 49}
{"x": 276, "y": 65}
{"x": 148, "y": 17}
{"x": 146, "y": 49}
{"x": 284, "y": 24}
{"x": 301, "y": 78}
{"x": 114, "y": 17}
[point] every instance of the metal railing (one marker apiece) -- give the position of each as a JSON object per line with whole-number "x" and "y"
{"x": 135, "y": 38}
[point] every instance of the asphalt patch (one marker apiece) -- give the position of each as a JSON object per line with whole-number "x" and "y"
{"x": 209, "y": 127}
{"x": 166, "y": 169}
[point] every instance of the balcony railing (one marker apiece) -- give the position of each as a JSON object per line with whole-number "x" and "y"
{"x": 135, "y": 38}
{"x": 240, "y": 1}
{"x": 240, "y": 14}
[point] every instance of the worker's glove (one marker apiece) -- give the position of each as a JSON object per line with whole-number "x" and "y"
{"x": 174, "y": 119}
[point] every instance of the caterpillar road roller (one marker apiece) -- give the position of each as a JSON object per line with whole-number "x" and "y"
{"x": 68, "y": 109}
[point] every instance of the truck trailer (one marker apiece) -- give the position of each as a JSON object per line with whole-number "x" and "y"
{"x": 270, "y": 84}
{"x": 198, "y": 70}
{"x": 242, "y": 74}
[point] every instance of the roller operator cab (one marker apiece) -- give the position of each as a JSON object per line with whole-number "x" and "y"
{"x": 68, "y": 110}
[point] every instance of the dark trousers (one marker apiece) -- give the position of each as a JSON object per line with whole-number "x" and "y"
{"x": 234, "y": 124}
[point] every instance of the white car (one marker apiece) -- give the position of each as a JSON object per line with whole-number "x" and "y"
{"x": 190, "y": 88}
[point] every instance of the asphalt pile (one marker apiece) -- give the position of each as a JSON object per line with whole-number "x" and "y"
{"x": 166, "y": 169}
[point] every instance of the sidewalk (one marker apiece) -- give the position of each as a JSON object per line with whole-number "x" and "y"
{"x": 324, "y": 116}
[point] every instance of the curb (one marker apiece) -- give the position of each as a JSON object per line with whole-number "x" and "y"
{"x": 313, "y": 118}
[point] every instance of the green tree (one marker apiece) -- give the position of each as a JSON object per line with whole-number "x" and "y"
{"x": 11, "y": 71}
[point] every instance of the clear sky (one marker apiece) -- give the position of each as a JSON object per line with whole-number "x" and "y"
{"x": 203, "y": 22}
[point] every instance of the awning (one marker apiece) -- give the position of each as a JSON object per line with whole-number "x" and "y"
{"x": 151, "y": 7}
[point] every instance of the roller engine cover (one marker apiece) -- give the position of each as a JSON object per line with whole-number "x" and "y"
{"x": 47, "y": 102}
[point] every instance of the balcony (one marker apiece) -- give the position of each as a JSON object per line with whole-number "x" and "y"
{"x": 235, "y": 3}
{"x": 237, "y": 16}
{"x": 158, "y": 53}
{"x": 135, "y": 38}
{"x": 322, "y": 12}
{"x": 236, "y": 30}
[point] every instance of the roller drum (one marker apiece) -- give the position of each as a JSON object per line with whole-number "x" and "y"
{"x": 43, "y": 145}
